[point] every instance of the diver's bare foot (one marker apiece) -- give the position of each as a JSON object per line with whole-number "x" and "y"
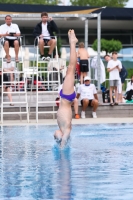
{"x": 63, "y": 144}
{"x": 72, "y": 37}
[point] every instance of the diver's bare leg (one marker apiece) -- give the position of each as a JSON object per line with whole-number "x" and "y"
{"x": 58, "y": 136}
{"x": 68, "y": 85}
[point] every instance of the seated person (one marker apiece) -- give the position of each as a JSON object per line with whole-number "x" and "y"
{"x": 9, "y": 67}
{"x": 6, "y": 86}
{"x": 129, "y": 90}
{"x": 89, "y": 97}
{"x": 74, "y": 103}
{"x": 123, "y": 75}
{"x": 44, "y": 30}
{"x": 10, "y": 31}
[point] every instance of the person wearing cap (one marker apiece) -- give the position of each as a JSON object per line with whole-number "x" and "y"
{"x": 88, "y": 94}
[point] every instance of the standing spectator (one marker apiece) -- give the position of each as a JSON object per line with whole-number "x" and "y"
{"x": 83, "y": 55}
{"x": 10, "y": 32}
{"x": 89, "y": 97}
{"x": 74, "y": 103}
{"x": 107, "y": 57}
{"x": 44, "y": 30}
{"x": 123, "y": 75}
{"x": 114, "y": 67}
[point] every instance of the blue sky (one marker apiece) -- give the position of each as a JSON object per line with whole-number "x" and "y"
{"x": 129, "y": 4}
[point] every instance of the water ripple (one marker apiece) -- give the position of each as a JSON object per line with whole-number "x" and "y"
{"x": 96, "y": 165}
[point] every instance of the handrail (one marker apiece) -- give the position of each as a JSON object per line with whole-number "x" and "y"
{"x": 18, "y": 92}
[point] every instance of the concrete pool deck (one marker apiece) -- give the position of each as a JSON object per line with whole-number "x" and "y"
{"x": 74, "y": 121}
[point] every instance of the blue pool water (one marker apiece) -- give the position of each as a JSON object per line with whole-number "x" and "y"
{"x": 96, "y": 165}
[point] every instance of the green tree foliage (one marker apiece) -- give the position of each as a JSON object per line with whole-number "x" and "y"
{"x": 108, "y": 45}
{"x": 111, "y": 3}
{"x": 44, "y": 2}
{"x": 59, "y": 45}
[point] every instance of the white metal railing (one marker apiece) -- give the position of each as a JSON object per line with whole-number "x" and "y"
{"x": 26, "y": 72}
{"x": 42, "y": 70}
{"x": 3, "y": 104}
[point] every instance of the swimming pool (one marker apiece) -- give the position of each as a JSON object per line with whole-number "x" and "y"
{"x": 96, "y": 165}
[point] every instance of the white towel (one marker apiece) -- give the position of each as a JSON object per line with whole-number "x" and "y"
{"x": 94, "y": 65}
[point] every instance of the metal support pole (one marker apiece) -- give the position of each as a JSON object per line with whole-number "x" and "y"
{"x": 98, "y": 47}
{"x": 86, "y": 33}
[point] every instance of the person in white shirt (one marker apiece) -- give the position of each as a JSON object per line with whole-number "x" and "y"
{"x": 130, "y": 85}
{"x": 114, "y": 67}
{"x": 10, "y": 32}
{"x": 129, "y": 90}
{"x": 74, "y": 103}
{"x": 123, "y": 75}
{"x": 44, "y": 30}
{"x": 9, "y": 67}
{"x": 88, "y": 94}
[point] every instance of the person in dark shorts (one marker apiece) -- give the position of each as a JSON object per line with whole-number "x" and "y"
{"x": 44, "y": 30}
{"x": 10, "y": 32}
{"x": 83, "y": 55}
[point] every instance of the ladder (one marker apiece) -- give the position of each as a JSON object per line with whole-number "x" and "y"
{"x": 21, "y": 106}
{"x": 40, "y": 70}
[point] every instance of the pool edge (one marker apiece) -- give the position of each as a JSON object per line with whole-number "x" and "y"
{"x": 74, "y": 121}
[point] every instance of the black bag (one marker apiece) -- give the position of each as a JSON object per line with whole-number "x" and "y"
{"x": 106, "y": 97}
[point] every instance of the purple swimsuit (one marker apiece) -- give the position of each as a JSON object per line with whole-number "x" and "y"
{"x": 69, "y": 97}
